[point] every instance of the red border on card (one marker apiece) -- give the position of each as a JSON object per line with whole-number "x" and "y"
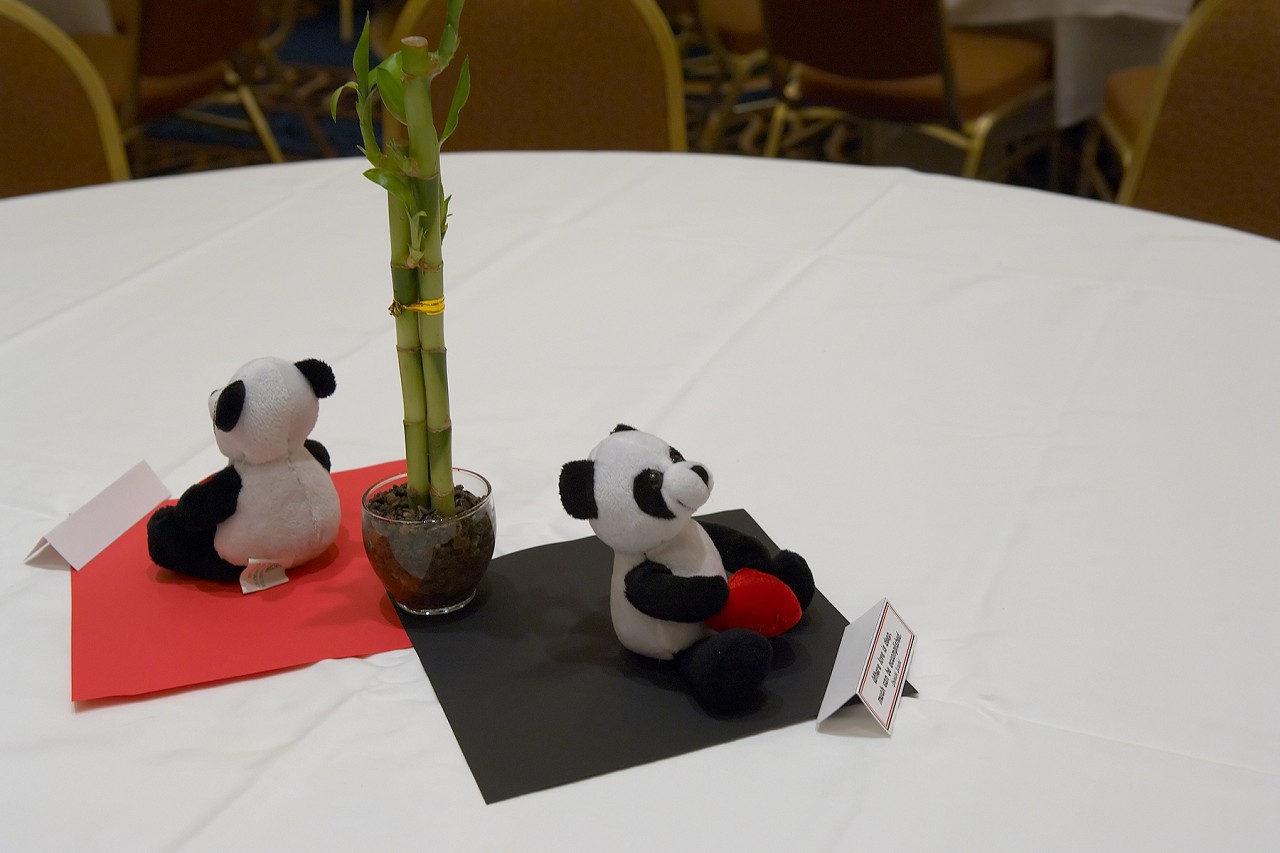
{"x": 887, "y": 722}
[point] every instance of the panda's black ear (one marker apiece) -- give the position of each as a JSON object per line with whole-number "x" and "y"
{"x": 230, "y": 404}
{"x": 319, "y": 375}
{"x": 622, "y": 428}
{"x": 578, "y": 489}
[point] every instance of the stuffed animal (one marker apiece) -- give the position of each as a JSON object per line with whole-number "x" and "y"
{"x": 276, "y": 501}
{"x": 700, "y": 594}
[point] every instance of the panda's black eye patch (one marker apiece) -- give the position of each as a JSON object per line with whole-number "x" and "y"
{"x": 226, "y": 413}
{"x": 675, "y": 455}
{"x": 647, "y": 491}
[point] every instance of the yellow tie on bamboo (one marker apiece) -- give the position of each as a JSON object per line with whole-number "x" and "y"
{"x": 430, "y": 307}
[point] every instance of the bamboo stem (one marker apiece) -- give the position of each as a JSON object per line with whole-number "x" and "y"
{"x": 404, "y": 287}
{"x": 420, "y": 66}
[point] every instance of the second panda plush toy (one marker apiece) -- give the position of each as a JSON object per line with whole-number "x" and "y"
{"x": 275, "y": 501}
{"x": 702, "y": 595}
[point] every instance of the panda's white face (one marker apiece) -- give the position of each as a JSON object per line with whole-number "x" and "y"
{"x": 279, "y": 411}
{"x": 645, "y": 491}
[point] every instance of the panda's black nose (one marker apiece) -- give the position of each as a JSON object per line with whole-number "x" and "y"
{"x": 702, "y": 472}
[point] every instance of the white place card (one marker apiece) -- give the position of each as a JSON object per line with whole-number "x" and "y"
{"x": 871, "y": 664}
{"x": 260, "y": 575}
{"x": 101, "y": 521}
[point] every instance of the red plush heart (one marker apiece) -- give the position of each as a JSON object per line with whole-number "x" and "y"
{"x": 758, "y": 602}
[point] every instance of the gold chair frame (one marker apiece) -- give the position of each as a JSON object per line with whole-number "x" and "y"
{"x": 735, "y": 70}
{"x": 1091, "y": 179}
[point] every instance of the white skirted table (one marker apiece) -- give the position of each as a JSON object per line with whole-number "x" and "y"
{"x": 1047, "y": 429}
{"x": 77, "y": 17}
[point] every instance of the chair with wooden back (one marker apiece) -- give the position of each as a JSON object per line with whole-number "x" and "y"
{"x": 59, "y": 128}
{"x": 558, "y": 74}
{"x": 899, "y": 62}
{"x": 1209, "y": 148}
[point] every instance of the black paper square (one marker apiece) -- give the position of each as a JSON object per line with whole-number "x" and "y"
{"x": 540, "y": 693}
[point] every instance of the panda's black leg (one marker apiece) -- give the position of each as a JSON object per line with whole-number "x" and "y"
{"x": 793, "y": 570}
{"x": 187, "y": 552}
{"x": 740, "y": 551}
{"x": 725, "y": 671}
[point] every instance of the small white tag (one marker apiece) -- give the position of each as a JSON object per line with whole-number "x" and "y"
{"x": 871, "y": 664}
{"x": 87, "y": 531}
{"x": 260, "y": 575}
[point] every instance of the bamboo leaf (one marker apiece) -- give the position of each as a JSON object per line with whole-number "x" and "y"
{"x": 418, "y": 222}
{"x": 460, "y": 95}
{"x": 448, "y": 45}
{"x": 388, "y": 79}
{"x": 449, "y": 38}
{"x": 395, "y": 158}
{"x": 360, "y": 61}
{"x": 337, "y": 94}
{"x": 392, "y": 183}
{"x": 364, "y": 101}
{"x": 453, "y": 13}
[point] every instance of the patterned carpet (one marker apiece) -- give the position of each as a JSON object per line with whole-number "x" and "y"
{"x": 293, "y": 83}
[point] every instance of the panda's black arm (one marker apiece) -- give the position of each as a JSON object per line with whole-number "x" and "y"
{"x": 655, "y": 591}
{"x": 319, "y": 452}
{"x": 740, "y": 551}
{"x": 209, "y": 503}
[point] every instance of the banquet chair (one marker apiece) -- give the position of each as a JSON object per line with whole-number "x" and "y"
{"x": 184, "y": 55}
{"x": 734, "y": 32}
{"x": 1208, "y": 148}
{"x": 1126, "y": 97}
{"x": 872, "y": 62}
{"x": 557, "y": 74}
{"x": 59, "y": 128}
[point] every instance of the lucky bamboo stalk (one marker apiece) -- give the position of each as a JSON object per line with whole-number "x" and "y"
{"x": 419, "y": 66}
{"x": 417, "y": 213}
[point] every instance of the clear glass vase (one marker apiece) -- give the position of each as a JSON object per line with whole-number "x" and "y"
{"x": 431, "y": 566}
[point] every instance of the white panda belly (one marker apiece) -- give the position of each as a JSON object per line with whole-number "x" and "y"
{"x": 688, "y": 556}
{"x": 287, "y": 512}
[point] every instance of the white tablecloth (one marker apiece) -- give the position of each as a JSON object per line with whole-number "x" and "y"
{"x": 1046, "y": 428}
{"x": 1091, "y": 39}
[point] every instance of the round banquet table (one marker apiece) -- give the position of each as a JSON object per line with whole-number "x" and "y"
{"x": 1047, "y": 429}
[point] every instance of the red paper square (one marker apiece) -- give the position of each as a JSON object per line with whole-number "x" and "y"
{"x": 137, "y": 628}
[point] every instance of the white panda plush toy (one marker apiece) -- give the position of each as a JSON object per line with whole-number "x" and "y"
{"x": 275, "y": 501}
{"x": 703, "y": 595}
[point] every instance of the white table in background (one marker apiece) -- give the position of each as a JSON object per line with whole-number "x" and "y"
{"x": 76, "y": 17}
{"x": 1091, "y": 38}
